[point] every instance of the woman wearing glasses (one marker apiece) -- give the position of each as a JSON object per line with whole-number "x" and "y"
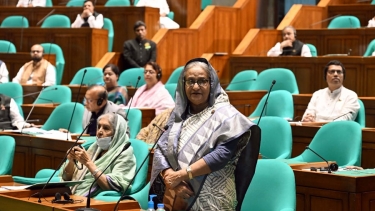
{"x": 195, "y": 161}
{"x": 153, "y": 94}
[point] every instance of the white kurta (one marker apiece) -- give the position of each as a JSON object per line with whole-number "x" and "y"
{"x": 4, "y": 74}
{"x": 35, "y": 3}
{"x": 341, "y": 104}
{"x": 49, "y": 80}
{"x": 15, "y": 116}
{"x": 165, "y": 22}
{"x": 276, "y": 51}
{"x": 96, "y": 23}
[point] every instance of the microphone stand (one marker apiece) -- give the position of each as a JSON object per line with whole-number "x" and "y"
{"x": 87, "y": 208}
{"x": 266, "y": 101}
{"x": 130, "y": 103}
{"x": 334, "y": 167}
{"x": 140, "y": 167}
{"x": 31, "y": 110}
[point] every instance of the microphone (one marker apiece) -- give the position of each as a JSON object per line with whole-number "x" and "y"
{"x": 342, "y": 115}
{"x": 87, "y": 208}
{"x": 31, "y": 110}
{"x": 238, "y": 82}
{"x": 48, "y": 100}
{"x": 327, "y": 19}
{"x": 331, "y": 167}
{"x": 130, "y": 103}
{"x": 45, "y": 17}
{"x": 140, "y": 167}
{"x": 62, "y": 161}
{"x": 266, "y": 101}
{"x": 21, "y": 41}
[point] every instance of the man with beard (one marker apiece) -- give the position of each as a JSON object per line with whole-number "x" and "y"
{"x": 290, "y": 46}
{"x": 38, "y": 71}
{"x": 139, "y": 51}
{"x": 334, "y": 103}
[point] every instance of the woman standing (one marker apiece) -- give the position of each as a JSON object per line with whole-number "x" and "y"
{"x": 117, "y": 94}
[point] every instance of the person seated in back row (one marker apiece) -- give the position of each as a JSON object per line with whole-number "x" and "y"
{"x": 10, "y": 116}
{"x": 38, "y": 71}
{"x": 116, "y": 93}
{"x": 4, "y": 74}
{"x": 88, "y": 18}
{"x": 31, "y": 3}
{"x": 335, "y": 102}
{"x": 290, "y": 46}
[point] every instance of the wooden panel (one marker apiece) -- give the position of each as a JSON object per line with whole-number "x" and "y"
{"x": 185, "y": 11}
{"x": 123, "y": 19}
{"x": 245, "y": 101}
{"x": 363, "y": 13}
{"x": 75, "y": 44}
{"x": 21, "y": 156}
{"x": 296, "y": 17}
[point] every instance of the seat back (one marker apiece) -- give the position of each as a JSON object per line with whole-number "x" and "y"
{"x": 339, "y": 141}
{"x": 313, "y": 50}
{"x": 13, "y": 90}
{"x": 93, "y": 75}
{"x": 273, "y": 188}
{"x": 276, "y": 140}
{"x": 60, "y": 118}
{"x": 15, "y": 21}
{"x": 280, "y": 103}
{"x": 134, "y": 121}
{"x": 173, "y": 78}
{"x": 244, "y": 80}
{"x": 7, "y": 47}
{"x": 361, "y": 116}
{"x": 129, "y": 77}
{"x": 117, "y": 3}
{"x": 345, "y": 21}
{"x": 285, "y": 80}
{"x": 170, "y": 15}
{"x": 140, "y": 149}
{"x": 205, "y": 3}
{"x": 75, "y": 3}
{"x": 111, "y": 32}
{"x": 50, "y": 48}
{"x": 61, "y": 95}
{"x": 171, "y": 89}
{"x": 56, "y": 21}
{"x": 8, "y": 146}
{"x": 370, "y": 48}
{"x": 49, "y": 3}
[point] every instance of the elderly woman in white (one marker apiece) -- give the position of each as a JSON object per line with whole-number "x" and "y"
{"x": 165, "y": 22}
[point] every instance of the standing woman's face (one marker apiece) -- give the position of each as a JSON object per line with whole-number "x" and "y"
{"x": 109, "y": 77}
{"x": 197, "y": 86}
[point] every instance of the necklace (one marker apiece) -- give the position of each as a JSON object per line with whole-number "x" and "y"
{"x": 189, "y": 111}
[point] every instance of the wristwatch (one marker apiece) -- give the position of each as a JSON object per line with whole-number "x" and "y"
{"x": 190, "y": 174}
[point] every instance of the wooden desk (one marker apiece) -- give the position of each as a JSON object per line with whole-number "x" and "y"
{"x": 123, "y": 19}
{"x": 332, "y": 192}
{"x": 302, "y": 136}
{"x": 309, "y": 71}
{"x": 245, "y": 101}
{"x": 75, "y": 43}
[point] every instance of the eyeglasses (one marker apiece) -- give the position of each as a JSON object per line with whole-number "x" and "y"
{"x": 149, "y": 71}
{"x": 85, "y": 100}
{"x": 200, "y": 82}
{"x": 35, "y": 51}
{"x": 331, "y": 72}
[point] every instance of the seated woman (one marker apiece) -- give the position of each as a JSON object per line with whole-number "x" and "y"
{"x": 195, "y": 160}
{"x": 110, "y": 140}
{"x": 116, "y": 94}
{"x": 153, "y": 94}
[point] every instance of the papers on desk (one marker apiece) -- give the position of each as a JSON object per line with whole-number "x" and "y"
{"x": 22, "y": 187}
{"x": 53, "y": 134}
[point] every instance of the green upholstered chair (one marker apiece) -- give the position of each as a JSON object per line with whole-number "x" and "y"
{"x": 276, "y": 139}
{"x": 129, "y": 77}
{"x": 285, "y": 80}
{"x": 15, "y": 21}
{"x": 111, "y": 32}
{"x": 205, "y": 3}
{"x": 273, "y": 188}
{"x": 13, "y": 90}
{"x": 7, "y": 47}
{"x": 61, "y": 95}
{"x": 8, "y": 146}
{"x": 50, "y": 48}
{"x": 170, "y": 15}
{"x": 56, "y": 21}
{"x": 117, "y": 3}
{"x": 60, "y": 118}
{"x": 93, "y": 75}
{"x": 75, "y": 3}
{"x": 313, "y": 50}
{"x": 244, "y": 80}
{"x": 361, "y": 116}
{"x": 373, "y": 2}
{"x": 339, "y": 141}
{"x": 345, "y": 21}
{"x": 280, "y": 103}
{"x": 171, "y": 89}
{"x": 173, "y": 78}
{"x": 139, "y": 189}
{"x": 135, "y": 121}
{"x": 370, "y": 48}
{"x": 49, "y": 3}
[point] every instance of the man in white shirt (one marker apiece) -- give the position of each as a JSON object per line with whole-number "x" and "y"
{"x": 9, "y": 114}
{"x": 38, "y": 71}
{"x": 290, "y": 46}
{"x": 31, "y": 3}
{"x": 334, "y": 103}
{"x": 165, "y": 22}
{"x": 89, "y": 18}
{"x": 4, "y": 74}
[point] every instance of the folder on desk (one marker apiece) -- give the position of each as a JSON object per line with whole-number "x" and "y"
{"x": 39, "y": 186}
